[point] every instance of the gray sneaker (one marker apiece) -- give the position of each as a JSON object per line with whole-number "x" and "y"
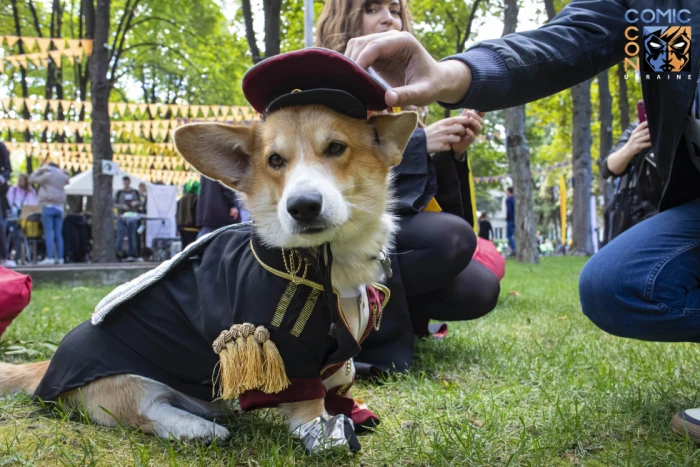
{"x": 687, "y": 422}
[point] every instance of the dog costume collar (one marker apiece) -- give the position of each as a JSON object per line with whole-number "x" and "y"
{"x": 313, "y": 76}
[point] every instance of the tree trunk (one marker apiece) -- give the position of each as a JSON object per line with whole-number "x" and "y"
{"x": 519, "y": 163}
{"x": 606, "y": 121}
{"x": 250, "y": 31}
{"x": 624, "y": 104}
{"x": 58, "y": 77}
{"x": 50, "y": 71}
{"x": 103, "y": 219}
{"x": 87, "y": 14}
{"x": 583, "y": 176}
{"x": 272, "y": 10}
{"x": 549, "y": 8}
{"x": 23, "y": 81}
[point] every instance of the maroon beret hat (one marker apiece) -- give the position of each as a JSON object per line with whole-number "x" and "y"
{"x": 313, "y": 76}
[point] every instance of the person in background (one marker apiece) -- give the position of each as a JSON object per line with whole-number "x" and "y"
{"x": 19, "y": 195}
{"x": 4, "y": 212}
{"x": 128, "y": 204}
{"x": 510, "y": 219}
{"x": 434, "y": 274}
{"x": 5, "y": 173}
{"x": 52, "y": 183}
{"x": 217, "y": 206}
{"x": 187, "y": 213}
{"x": 485, "y": 228}
{"x": 143, "y": 193}
{"x": 639, "y": 185}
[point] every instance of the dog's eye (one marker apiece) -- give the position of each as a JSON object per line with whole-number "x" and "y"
{"x": 275, "y": 161}
{"x": 335, "y": 149}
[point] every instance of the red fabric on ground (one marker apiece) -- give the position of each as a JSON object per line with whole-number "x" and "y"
{"x": 487, "y": 254}
{"x": 15, "y": 293}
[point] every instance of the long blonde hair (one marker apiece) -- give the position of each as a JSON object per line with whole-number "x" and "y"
{"x": 341, "y": 20}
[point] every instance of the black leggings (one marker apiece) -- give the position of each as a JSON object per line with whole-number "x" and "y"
{"x": 441, "y": 281}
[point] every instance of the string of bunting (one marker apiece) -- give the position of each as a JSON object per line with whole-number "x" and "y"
{"x": 41, "y": 105}
{"x": 221, "y": 113}
{"x": 499, "y": 178}
{"x": 147, "y": 128}
{"x": 41, "y": 60}
{"x": 44, "y": 43}
{"x": 144, "y": 149}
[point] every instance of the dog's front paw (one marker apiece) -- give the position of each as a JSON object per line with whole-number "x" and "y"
{"x": 326, "y": 432}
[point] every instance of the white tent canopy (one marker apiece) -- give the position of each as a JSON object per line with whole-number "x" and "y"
{"x": 81, "y": 184}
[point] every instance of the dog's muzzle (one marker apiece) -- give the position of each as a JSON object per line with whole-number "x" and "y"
{"x": 305, "y": 209}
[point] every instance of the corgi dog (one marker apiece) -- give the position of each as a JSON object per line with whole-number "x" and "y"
{"x": 310, "y": 176}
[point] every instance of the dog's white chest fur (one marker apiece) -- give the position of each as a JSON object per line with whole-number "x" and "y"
{"x": 355, "y": 308}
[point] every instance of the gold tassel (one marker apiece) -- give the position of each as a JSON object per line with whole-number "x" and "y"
{"x": 248, "y": 360}
{"x": 225, "y": 348}
{"x": 275, "y": 376}
{"x": 252, "y": 359}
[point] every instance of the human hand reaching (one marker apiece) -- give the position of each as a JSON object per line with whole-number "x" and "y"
{"x": 441, "y": 135}
{"x": 472, "y": 130}
{"x": 416, "y": 78}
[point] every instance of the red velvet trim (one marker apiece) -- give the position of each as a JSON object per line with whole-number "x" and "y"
{"x": 344, "y": 404}
{"x": 301, "y": 389}
{"x": 442, "y": 332}
{"x": 330, "y": 371}
{"x": 361, "y": 417}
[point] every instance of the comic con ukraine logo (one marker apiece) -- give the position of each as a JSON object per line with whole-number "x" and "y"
{"x": 665, "y": 40}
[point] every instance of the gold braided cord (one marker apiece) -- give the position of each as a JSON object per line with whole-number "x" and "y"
{"x": 305, "y": 312}
{"x": 283, "y": 304}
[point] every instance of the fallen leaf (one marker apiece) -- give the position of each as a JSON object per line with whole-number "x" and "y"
{"x": 45, "y": 309}
{"x": 514, "y": 293}
{"x": 475, "y": 422}
{"x": 563, "y": 318}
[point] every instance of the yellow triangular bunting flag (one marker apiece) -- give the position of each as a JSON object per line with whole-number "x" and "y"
{"x": 44, "y": 44}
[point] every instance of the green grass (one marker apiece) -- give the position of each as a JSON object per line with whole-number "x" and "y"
{"x": 533, "y": 383}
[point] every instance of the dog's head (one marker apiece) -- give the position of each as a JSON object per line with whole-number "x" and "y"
{"x": 310, "y": 175}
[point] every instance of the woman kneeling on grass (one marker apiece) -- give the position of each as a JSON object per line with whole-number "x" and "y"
{"x": 435, "y": 277}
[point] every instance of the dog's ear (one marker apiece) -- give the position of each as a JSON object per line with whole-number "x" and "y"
{"x": 219, "y": 151}
{"x": 394, "y": 131}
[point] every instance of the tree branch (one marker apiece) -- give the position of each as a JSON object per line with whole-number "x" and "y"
{"x": 159, "y": 45}
{"x": 116, "y": 55}
{"x": 468, "y": 29}
{"x": 35, "y": 17}
{"x": 171, "y": 22}
{"x": 250, "y": 31}
{"x": 119, "y": 28}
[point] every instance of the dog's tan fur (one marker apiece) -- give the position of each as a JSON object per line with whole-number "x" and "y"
{"x": 357, "y": 185}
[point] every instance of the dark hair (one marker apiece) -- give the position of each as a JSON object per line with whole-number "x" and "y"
{"x": 53, "y": 164}
{"x": 125, "y": 178}
{"x": 510, "y": 190}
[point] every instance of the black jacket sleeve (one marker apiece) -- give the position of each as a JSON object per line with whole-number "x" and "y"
{"x": 454, "y": 192}
{"x": 5, "y": 166}
{"x": 624, "y": 137}
{"x": 231, "y": 198}
{"x": 586, "y": 37}
{"x": 415, "y": 183}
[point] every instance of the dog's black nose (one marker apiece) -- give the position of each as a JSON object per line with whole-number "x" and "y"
{"x": 306, "y": 206}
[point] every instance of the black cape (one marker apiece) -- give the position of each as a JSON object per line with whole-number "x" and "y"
{"x": 162, "y": 325}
